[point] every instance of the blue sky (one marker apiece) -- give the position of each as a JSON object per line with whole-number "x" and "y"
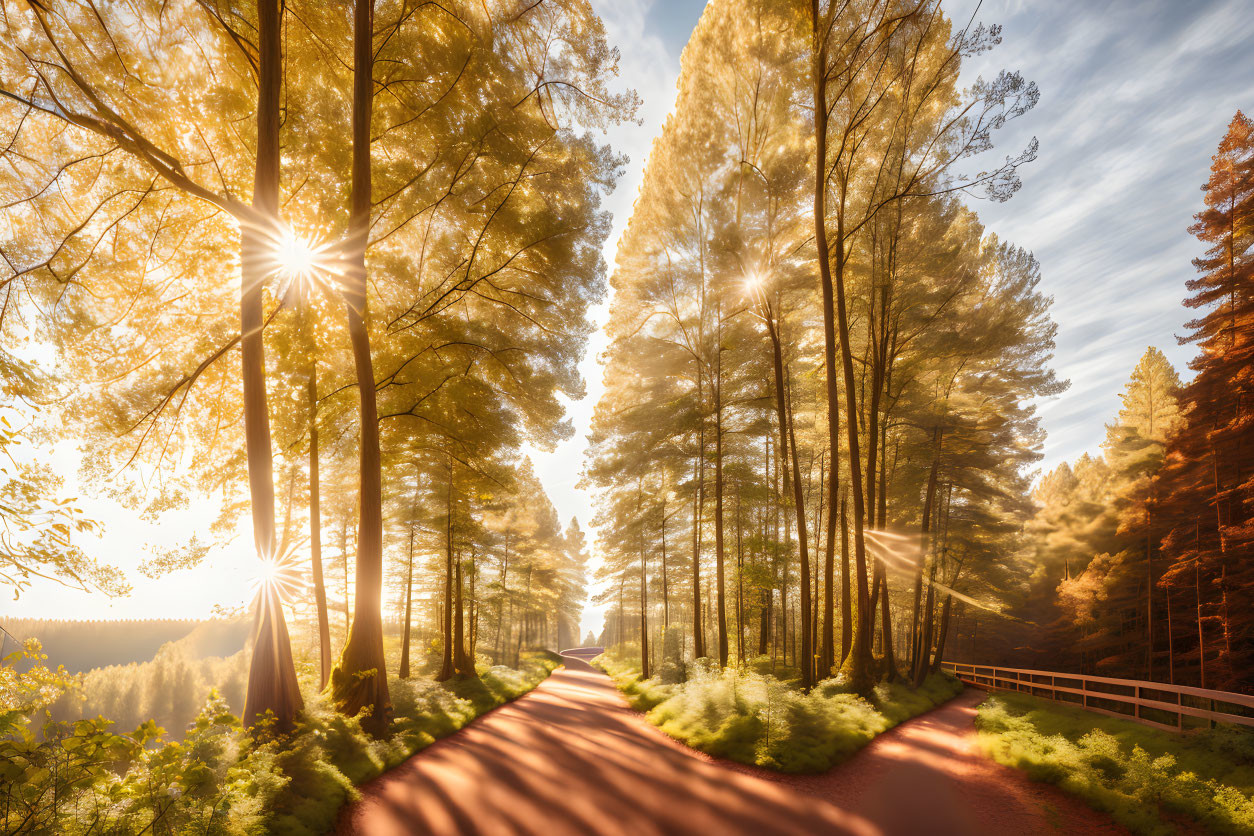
{"x": 1135, "y": 96}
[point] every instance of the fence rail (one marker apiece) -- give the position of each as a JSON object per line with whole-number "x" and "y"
{"x": 1146, "y": 702}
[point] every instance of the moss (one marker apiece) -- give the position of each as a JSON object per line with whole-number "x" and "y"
{"x": 753, "y": 717}
{"x": 1141, "y": 776}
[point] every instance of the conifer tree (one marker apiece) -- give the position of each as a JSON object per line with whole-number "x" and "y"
{"x": 1204, "y": 493}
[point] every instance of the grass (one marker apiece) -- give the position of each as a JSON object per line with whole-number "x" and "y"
{"x": 755, "y": 718}
{"x": 1146, "y": 779}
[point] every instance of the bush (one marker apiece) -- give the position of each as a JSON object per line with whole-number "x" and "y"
{"x": 756, "y": 718}
{"x": 1129, "y": 770}
{"x": 81, "y": 776}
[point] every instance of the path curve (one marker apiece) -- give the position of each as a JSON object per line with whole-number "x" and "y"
{"x": 572, "y": 758}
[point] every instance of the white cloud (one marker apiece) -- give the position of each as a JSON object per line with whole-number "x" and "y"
{"x": 1134, "y": 98}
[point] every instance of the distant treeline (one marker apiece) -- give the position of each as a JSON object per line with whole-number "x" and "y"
{"x": 84, "y": 645}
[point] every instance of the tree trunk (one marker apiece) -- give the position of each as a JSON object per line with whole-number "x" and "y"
{"x": 833, "y": 287}
{"x": 1171, "y": 650}
{"x": 827, "y": 646}
{"x": 740, "y": 585}
{"x": 503, "y": 624}
{"x": 644, "y": 585}
{"x": 315, "y": 510}
{"x": 448, "y": 665}
{"x": 409, "y": 591}
{"x": 846, "y": 595}
{"x": 644, "y": 620}
{"x": 925, "y": 640}
{"x": 886, "y": 626}
{"x": 666, "y": 597}
{"x": 807, "y": 635}
{"x": 698, "y": 635}
{"x": 344, "y": 568}
{"x": 720, "y": 582}
{"x": 472, "y": 616}
{"x": 272, "y": 685}
{"x": 1149, "y": 601}
{"x": 1197, "y": 589}
{"x": 465, "y": 666}
{"x": 929, "y": 497}
{"x": 360, "y": 680}
{"x": 944, "y": 631}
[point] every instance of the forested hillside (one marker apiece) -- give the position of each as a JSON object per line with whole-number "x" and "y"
{"x": 81, "y": 645}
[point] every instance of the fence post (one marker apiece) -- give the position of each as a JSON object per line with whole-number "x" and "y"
{"x": 1179, "y": 714}
{"x": 1084, "y": 688}
{"x": 1053, "y": 692}
{"x": 1136, "y": 706}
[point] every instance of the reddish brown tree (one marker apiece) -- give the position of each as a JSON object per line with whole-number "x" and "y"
{"x": 1206, "y": 489}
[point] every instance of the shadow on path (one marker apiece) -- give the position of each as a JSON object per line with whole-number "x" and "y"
{"x": 572, "y": 758}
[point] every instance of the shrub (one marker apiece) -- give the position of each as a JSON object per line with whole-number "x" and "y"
{"x": 756, "y": 718}
{"x": 1129, "y": 770}
{"x": 77, "y": 777}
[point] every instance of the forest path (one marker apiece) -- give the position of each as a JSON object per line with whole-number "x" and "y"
{"x": 572, "y": 758}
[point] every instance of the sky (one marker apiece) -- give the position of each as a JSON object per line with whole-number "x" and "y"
{"x": 1135, "y": 95}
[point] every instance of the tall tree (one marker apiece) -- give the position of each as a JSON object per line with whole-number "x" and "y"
{"x": 1204, "y": 492}
{"x": 359, "y": 679}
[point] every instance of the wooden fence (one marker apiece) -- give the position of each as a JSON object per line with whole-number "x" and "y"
{"x": 1152, "y": 703}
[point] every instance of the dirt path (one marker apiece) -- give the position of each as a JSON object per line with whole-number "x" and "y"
{"x": 572, "y": 758}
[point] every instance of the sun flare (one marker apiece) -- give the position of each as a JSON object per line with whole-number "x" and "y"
{"x": 295, "y": 256}
{"x": 279, "y": 577}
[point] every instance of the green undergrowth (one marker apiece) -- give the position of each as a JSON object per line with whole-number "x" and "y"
{"x": 1146, "y": 779}
{"x": 84, "y": 777}
{"x": 755, "y": 718}
{"x": 332, "y": 754}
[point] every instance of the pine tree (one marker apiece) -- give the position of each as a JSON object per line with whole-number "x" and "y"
{"x": 1205, "y": 491}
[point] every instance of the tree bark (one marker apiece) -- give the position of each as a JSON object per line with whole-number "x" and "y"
{"x": 315, "y": 510}
{"x": 807, "y": 635}
{"x": 272, "y": 685}
{"x": 344, "y": 568}
{"x": 644, "y": 620}
{"x": 718, "y": 498}
{"x": 740, "y": 585}
{"x": 698, "y": 635}
{"x": 1149, "y": 600}
{"x": 846, "y": 595}
{"x": 1197, "y": 590}
{"x": 666, "y": 598}
{"x": 644, "y": 586}
{"x": 462, "y": 662}
{"x": 833, "y": 288}
{"x": 409, "y": 591}
{"x": 929, "y": 497}
{"x": 360, "y": 680}
{"x": 886, "y": 626}
{"x": 448, "y": 665}
{"x": 944, "y": 631}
